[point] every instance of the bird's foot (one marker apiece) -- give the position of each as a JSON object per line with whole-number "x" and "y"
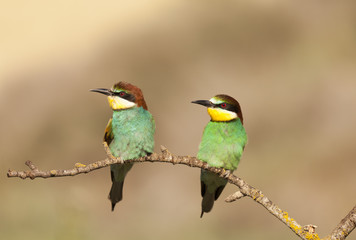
{"x": 226, "y": 173}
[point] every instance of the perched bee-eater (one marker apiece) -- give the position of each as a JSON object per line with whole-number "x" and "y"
{"x": 222, "y": 144}
{"x": 129, "y": 133}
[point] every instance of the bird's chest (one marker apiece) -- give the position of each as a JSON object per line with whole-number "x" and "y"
{"x": 128, "y": 131}
{"x": 221, "y": 146}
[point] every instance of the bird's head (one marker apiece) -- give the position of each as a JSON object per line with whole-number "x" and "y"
{"x": 222, "y": 108}
{"x": 123, "y": 95}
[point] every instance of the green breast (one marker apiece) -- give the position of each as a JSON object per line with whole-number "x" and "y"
{"x": 133, "y": 130}
{"x": 222, "y": 144}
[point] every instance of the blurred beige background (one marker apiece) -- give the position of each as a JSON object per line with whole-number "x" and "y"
{"x": 291, "y": 65}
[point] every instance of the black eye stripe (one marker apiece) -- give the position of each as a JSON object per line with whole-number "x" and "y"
{"x": 228, "y": 107}
{"x": 125, "y": 95}
{"x": 219, "y": 105}
{"x": 117, "y": 93}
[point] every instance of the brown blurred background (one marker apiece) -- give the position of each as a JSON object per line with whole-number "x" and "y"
{"x": 291, "y": 65}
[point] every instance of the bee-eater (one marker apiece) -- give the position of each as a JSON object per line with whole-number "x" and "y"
{"x": 129, "y": 133}
{"x": 222, "y": 144}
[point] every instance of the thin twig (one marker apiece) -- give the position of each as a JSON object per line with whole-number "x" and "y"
{"x": 307, "y": 232}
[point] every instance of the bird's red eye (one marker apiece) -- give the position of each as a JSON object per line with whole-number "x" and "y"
{"x": 121, "y": 94}
{"x": 223, "y": 105}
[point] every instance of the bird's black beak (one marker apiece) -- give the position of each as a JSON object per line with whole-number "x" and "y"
{"x": 102, "y": 91}
{"x": 205, "y": 103}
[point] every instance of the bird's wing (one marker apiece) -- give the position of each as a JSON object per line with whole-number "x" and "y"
{"x": 108, "y": 136}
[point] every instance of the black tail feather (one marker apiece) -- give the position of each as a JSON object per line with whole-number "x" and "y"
{"x": 115, "y": 194}
{"x": 208, "y": 199}
{"x": 113, "y": 206}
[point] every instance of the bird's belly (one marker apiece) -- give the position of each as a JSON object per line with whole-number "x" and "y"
{"x": 227, "y": 157}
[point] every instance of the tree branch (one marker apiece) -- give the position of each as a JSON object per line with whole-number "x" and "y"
{"x": 307, "y": 232}
{"x": 345, "y": 227}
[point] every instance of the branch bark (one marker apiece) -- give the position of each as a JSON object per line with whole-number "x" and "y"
{"x": 304, "y": 232}
{"x": 345, "y": 227}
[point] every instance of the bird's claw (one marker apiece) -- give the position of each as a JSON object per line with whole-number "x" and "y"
{"x": 226, "y": 173}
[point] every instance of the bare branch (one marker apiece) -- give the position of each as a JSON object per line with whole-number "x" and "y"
{"x": 345, "y": 227}
{"x": 235, "y": 196}
{"x": 306, "y": 232}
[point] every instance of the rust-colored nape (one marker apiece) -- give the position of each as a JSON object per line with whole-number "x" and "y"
{"x": 139, "y": 99}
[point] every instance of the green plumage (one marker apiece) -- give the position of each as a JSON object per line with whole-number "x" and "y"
{"x": 221, "y": 146}
{"x": 133, "y": 130}
{"x": 130, "y": 135}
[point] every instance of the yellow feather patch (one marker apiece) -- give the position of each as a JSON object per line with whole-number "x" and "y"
{"x": 117, "y": 103}
{"x": 221, "y": 115}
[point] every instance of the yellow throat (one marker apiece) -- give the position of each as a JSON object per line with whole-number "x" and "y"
{"x": 117, "y": 103}
{"x": 221, "y": 115}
